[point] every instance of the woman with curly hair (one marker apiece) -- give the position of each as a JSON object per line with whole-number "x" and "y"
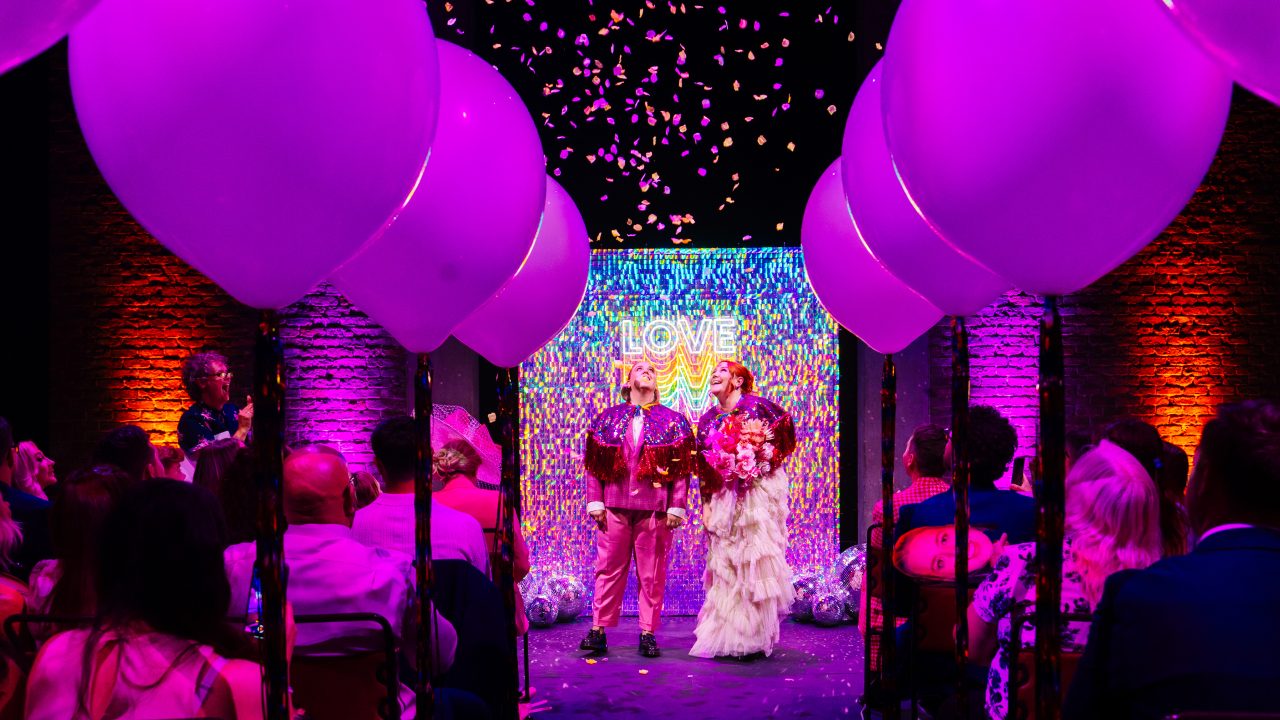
{"x": 743, "y": 440}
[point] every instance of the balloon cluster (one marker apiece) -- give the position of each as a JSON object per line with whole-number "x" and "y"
{"x": 553, "y": 597}
{"x": 227, "y": 129}
{"x": 970, "y": 168}
{"x": 831, "y": 596}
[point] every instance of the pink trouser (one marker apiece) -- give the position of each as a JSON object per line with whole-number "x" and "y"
{"x": 646, "y": 535}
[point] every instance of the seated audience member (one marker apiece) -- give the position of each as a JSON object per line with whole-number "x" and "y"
{"x": 929, "y": 553}
{"x": 33, "y": 473}
{"x": 30, "y": 512}
{"x": 456, "y": 465}
{"x": 10, "y": 537}
{"x": 238, "y": 496}
{"x": 992, "y": 442}
{"x": 171, "y": 459}
{"x": 1112, "y": 523}
{"x": 329, "y": 571}
{"x": 160, "y": 645}
{"x": 1077, "y": 443}
{"x": 367, "y": 489}
{"x": 1201, "y": 631}
{"x": 212, "y": 415}
{"x": 129, "y": 448}
{"x": 927, "y": 465}
{"x": 1144, "y": 443}
{"x": 66, "y": 585}
{"x": 212, "y": 462}
{"x": 388, "y": 522}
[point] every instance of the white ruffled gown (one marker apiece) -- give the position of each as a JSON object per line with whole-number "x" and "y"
{"x": 747, "y": 579}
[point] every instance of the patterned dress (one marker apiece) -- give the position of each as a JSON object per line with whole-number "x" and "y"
{"x": 1011, "y": 585}
{"x": 747, "y": 579}
{"x": 201, "y": 425}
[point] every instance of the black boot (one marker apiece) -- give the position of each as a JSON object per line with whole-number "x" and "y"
{"x": 594, "y": 641}
{"x": 649, "y": 645}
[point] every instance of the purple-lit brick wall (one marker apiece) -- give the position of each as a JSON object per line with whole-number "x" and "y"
{"x": 126, "y": 313}
{"x": 1191, "y": 322}
{"x": 345, "y": 374}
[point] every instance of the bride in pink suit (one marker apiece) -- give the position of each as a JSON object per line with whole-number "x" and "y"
{"x": 742, "y": 443}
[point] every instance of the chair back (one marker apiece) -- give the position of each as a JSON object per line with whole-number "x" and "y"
{"x": 1022, "y": 705}
{"x": 359, "y": 686}
{"x": 935, "y": 618}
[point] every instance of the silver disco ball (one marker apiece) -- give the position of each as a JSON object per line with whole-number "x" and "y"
{"x": 531, "y": 585}
{"x": 541, "y": 611}
{"x": 806, "y": 586}
{"x": 850, "y": 567}
{"x": 570, "y": 596}
{"x": 828, "y": 607}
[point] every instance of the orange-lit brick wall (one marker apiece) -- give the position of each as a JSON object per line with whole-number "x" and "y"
{"x": 1191, "y": 322}
{"x": 126, "y": 313}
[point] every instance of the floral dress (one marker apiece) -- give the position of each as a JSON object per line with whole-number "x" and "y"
{"x": 1012, "y": 585}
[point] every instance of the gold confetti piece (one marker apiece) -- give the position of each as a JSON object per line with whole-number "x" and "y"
{"x": 592, "y": 661}
{"x": 780, "y": 227}
{"x": 645, "y": 672}
{"x": 728, "y": 142}
{"x": 791, "y": 146}
{"x": 760, "y": 140}
{"x": 831, "y": 109}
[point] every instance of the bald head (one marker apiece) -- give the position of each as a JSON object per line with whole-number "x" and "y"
{"x": 317, "y": 488}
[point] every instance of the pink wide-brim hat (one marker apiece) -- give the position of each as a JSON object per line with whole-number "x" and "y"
{"x": 451, "y": 422}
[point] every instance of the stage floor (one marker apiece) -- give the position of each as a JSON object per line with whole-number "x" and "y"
{"x": 813, "y": 673}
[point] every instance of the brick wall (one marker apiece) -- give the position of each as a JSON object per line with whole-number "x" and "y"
{"x": 1191, "y": 322}
{"x": 345, "y": 374}
{"x": 126, "y": 313}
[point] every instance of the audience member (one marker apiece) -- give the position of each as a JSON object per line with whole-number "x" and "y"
{"x": 171, "y": 459}
{"x": 128, "y": 448}
{"x": 238, "y": 495}
{"x": 992, "y": 442}
{"x": 212, "y": 415}
{"x": 367, "y": 489}
{"x": 1112, "y": 523}
{"x": 1077, "y": 443}
{"x": 30, "y": 512}
{"x": 388, "y": 522}
{"x": 456, "y": 465}
{"x": 1143, "y": 441}
{"x": 329, "y": 571}
{"x": 33, "y": 473}
{"x": 160, "y": 645}
{"x": 213, "y": 461}
{"x": 1200, "y": 632}
{"x": 927, "y": 465}
{"x": 65, "y": 585}
{"x": 10, "y": 537}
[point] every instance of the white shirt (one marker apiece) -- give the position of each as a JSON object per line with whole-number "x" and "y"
{"x": 388, "y": 522}
{"x": 330, "y": 572}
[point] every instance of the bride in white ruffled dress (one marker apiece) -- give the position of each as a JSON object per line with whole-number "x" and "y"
{"x": 742, "y": 442}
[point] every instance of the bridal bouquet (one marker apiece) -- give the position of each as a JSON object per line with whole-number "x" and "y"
{"x": 740, "y": 450}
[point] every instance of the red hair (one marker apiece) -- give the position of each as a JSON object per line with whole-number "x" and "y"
{"x": 738, "y": 370}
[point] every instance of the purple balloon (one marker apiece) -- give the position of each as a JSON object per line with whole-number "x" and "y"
{"x": 29, "y": 27}
{"x": 1244, "y": 35}
{"x": 472, "y": 221}
{"x": 888, "y": 223}
{"x": 1049, "y": 141}
{"x": 262, "y": 141}
{"x": 541, "y": 299}
{"x": 859, "y": 293}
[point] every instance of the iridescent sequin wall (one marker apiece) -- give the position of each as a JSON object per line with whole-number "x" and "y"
{"x": 684, "y": 310}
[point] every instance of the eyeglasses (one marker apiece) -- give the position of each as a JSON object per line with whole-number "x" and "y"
{"x": 224, "y": 375}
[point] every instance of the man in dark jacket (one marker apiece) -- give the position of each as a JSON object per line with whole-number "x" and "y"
{"x": 1200, "y": 631}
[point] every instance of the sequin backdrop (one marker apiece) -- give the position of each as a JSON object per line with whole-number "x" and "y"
{"x": 683, "y": 309}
